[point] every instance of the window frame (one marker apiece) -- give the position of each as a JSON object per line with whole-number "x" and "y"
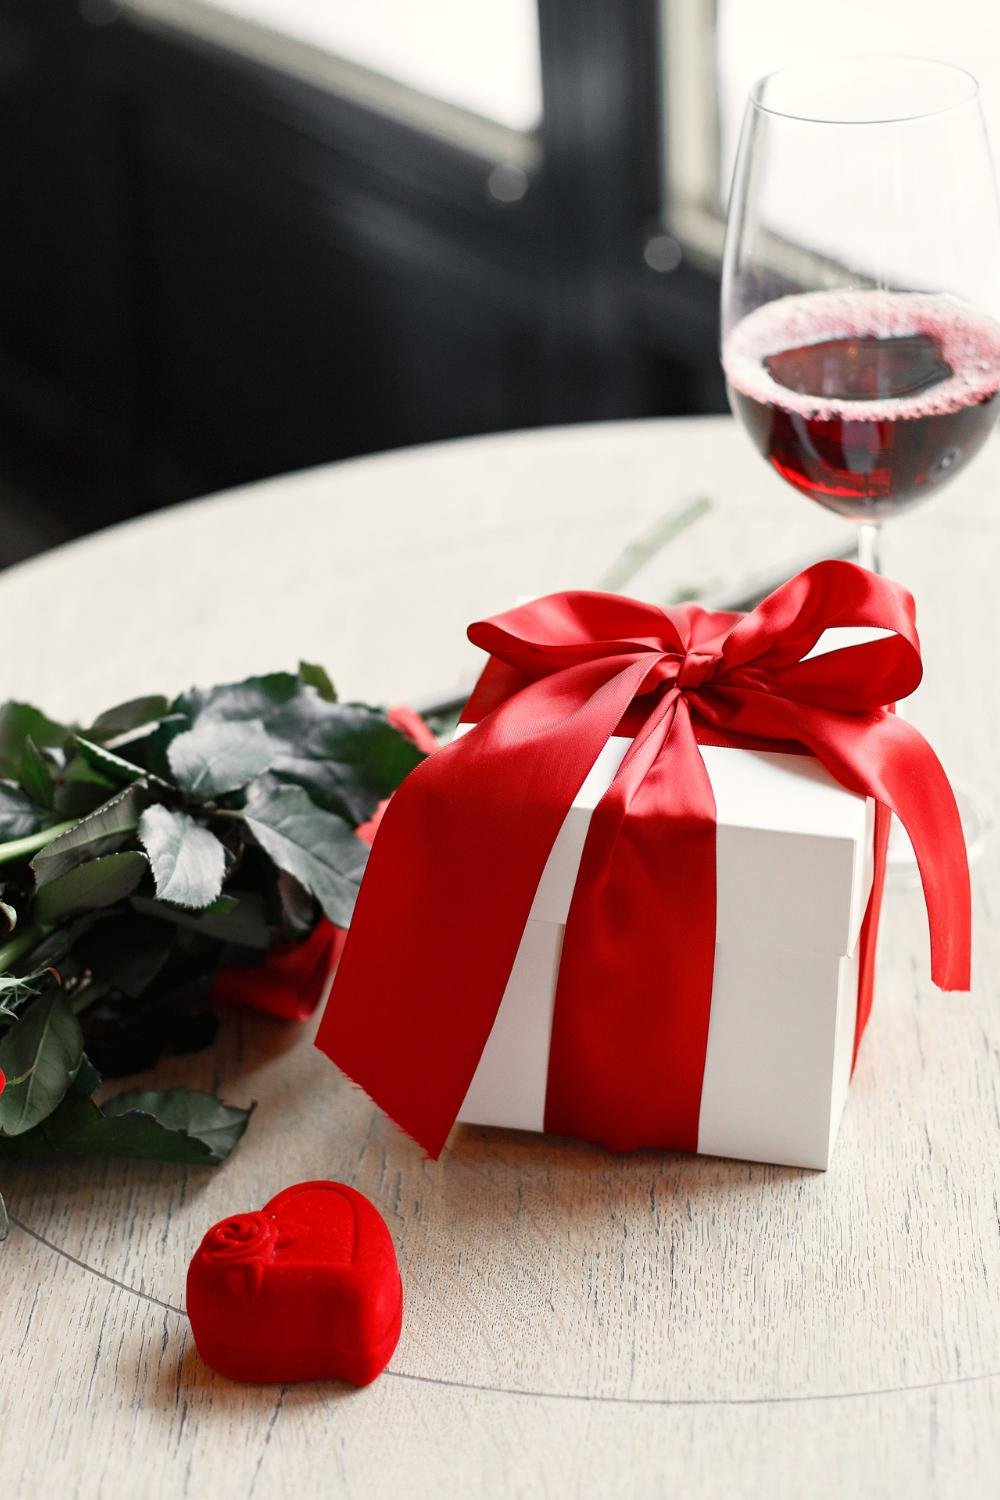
{"x": 340, "y": 76}
{"x": 694, "y": 194}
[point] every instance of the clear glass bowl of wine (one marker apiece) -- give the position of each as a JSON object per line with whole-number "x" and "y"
{"x": 861, "y": 293}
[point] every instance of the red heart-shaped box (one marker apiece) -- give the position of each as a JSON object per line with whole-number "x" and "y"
{"x": 306, "y": 1289}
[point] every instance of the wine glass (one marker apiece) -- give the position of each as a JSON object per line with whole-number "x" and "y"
{"x": 861, "y": 291}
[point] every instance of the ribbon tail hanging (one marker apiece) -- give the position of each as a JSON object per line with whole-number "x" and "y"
{"x": 445, "y": 897}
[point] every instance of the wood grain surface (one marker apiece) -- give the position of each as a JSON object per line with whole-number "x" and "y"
{"x": 576, "y": 1323}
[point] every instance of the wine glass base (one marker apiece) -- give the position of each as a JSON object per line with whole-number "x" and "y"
{"x": 901, "y": 871}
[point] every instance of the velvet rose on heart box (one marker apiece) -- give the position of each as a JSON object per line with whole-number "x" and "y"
{"x": 308, "y": 1288}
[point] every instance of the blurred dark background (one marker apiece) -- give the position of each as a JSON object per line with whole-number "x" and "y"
{"x": 245, "y": 236}
{"x": 215, "y": 266}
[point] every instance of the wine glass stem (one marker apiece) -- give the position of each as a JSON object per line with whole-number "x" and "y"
{"x": 870, "y": 546}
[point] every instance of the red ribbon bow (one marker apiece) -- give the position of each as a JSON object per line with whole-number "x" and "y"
{"x": 461, "y": 849}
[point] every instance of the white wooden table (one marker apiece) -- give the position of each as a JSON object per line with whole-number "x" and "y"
{"x": 575, "y": 1323}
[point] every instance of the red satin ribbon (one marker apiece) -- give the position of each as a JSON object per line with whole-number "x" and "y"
{"x": 454, "y": 870}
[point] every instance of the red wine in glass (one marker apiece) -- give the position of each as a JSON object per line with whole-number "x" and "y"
{"x": 866, "y": 401}
{"x": 855, "y": 174}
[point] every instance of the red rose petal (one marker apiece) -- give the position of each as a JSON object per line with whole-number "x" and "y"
{"x": 290, "y": 980}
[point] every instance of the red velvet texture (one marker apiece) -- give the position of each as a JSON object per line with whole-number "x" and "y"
{"x": 306, "y": 1289}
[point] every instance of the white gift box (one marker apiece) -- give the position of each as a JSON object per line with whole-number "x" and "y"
{"x": 794, "y": 873}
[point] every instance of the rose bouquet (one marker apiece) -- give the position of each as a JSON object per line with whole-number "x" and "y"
{"x": 171, "y": 855}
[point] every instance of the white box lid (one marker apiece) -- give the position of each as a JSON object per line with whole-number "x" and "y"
{"x": 794, "y": 849}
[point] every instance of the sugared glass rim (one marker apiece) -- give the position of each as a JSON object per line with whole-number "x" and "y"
{"x": 965, "y": 89}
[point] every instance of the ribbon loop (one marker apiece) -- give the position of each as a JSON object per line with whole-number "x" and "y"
{"x": 697, "y": 668}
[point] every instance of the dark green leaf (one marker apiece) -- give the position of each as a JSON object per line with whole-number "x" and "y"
{"x": 347, "y": 756}
{"x": 255, "y": 698}
{"x": 150, "y": 749}
{"x": 178, "y": 1126}
{"x": 98, "y": 883}
{"x": 289, "y": 710}
{"x": 318, "y": 677}
{"x": 104, "y": 831}
{"x": 147, "y": 746}
{"x": 218, "y": 756}
{"x": 188, "y": 861}
{"x": 81, "y": 789}
{"x": 19, "y": 816}
{"x": 241, "y": 921}
{"x": 318, "y": 848}
{"x": 35, "y": 776}
{"x": 115, "y": 767}
{"x": 187, "y": 1112}
{"x": 349, "y": 760}
{"x": 45, "y": 1044}
{"x": 124, "y": 717}
{"x": 17, "y": 721}
{"x": 87, "y": 1077}
{"x": 126, "y": 950}
{"x": 53, "y": 949}
{"x": 221, "y": 906}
